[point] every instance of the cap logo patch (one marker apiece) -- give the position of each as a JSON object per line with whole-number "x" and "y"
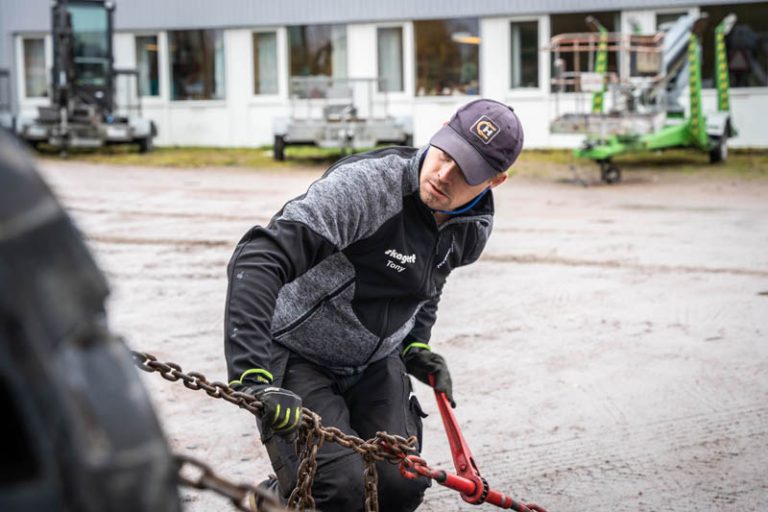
{"x": 485, "y": 129}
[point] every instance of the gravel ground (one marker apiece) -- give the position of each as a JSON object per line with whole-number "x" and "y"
{"x": 609, "y": 350}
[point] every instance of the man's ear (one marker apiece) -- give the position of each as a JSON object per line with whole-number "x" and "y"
{"x": 498, "y": 180}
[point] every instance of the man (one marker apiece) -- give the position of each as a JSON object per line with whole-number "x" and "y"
{"x": 331, "y": 305}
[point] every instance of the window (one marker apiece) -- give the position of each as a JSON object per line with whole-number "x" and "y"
{"x": 390, "y": 53}
{"x": 576, "y": 23}
{"x": 91, "y": 44}
{"x": 146, "y": 62}
{"x": 35, "y": 74}
{"x": 265, "y": 63}
{"x": 5, "y": 91}
{"x": 525, "y": 54}
{"x": 197, "y": 64}
{"x": 746, "y": 45}
{"x": 665, "y": 20}
{"x": 447, "y": 57}
{"x": 318, "y": 50}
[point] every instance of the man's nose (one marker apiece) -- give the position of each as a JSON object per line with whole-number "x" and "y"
{"x": 446, "y": 172}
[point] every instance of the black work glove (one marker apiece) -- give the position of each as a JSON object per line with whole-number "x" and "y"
{"x": 282, "y": 409}
{"x": 421, "y": 362}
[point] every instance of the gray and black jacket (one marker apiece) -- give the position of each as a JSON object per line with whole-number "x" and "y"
{"x": 343, "y": 274}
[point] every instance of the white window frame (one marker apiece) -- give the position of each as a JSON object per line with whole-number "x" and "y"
{"x": 408, "y": 60}
{"x": 543, "y": 28}
{"x": 21, "y": 80}
{"x": 162, "y": 66}
{"x": 281, "y": 35}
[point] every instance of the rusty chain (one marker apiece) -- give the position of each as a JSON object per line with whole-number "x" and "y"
{"x": 311, "y": 436}
{"x": 196, "y": 381}
{"x": 243, "y": 496}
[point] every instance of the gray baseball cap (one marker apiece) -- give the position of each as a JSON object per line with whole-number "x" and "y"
{"x": 484, "y": 137}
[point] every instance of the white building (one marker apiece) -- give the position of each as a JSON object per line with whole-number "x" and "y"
{"x": 216, "y": 73}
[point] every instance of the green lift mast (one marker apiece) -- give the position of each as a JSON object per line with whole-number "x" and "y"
{"x": 707, "y": 133}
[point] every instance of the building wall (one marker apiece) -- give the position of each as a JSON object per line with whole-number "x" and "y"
{"x": 33, "y": 15}
{"x": 245, "y": 119}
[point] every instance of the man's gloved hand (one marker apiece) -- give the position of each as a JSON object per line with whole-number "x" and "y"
{"x": 282, "y": 408}
{"x": 420, "y": 362}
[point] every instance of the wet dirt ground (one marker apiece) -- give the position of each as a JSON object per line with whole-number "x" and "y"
{"x": 609, "y": 351}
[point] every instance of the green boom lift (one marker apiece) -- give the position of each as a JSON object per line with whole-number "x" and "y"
{"x": 645, "y": 113}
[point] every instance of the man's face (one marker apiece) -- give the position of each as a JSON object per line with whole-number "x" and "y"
{"x": 442, "y": 185}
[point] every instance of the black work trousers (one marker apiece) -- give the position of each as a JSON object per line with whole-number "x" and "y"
{"x": 379, "y": 399}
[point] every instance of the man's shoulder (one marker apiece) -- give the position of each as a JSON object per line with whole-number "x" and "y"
{"x": 389, "y": 158}
{"x": 387, "y": 169}
{"x": 357, "y": 194}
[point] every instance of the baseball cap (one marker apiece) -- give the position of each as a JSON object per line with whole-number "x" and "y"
{"x": 484, "y": 137}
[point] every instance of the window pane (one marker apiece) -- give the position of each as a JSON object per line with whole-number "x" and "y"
{"x": 390, "y": 59}
{"x": 197, "y": 64}
{"x": 666, "y": 19}
{"x": 746, "y": 45}
{"x": 525, "y": 54}
{"x": 447, "y": 57}
{"x": 146, "y": 62}
{"x": 5, "y": 91}
{"x": 339, "y": 51}
{"x": 91, "y": 44}
{"x": 265, "y": 63}
{"x": 35, "y": 74}
{"x": 318, "y": 50}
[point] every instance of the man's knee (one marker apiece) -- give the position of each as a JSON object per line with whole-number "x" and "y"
{"x": 397, "y": 493}
{"x": 339, "y": 484}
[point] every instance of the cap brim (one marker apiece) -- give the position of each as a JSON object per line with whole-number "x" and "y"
{"x": 473, "y": 166}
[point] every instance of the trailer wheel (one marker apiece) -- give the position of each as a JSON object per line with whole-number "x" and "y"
{"x": 146, "y": 144}
{"x": 609, "y": 172}
{"x": 278, "y": 149}
{"x": 719, "y": 151}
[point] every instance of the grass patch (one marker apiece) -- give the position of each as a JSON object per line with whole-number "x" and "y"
{"x": 541, "y": 163}
{"x": 747, "y": 163}
{"x": 196, "y": 157}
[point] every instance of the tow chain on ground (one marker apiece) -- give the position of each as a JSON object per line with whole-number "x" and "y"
{"x": 198, "y": 475}
{"x": 311, "y": 436}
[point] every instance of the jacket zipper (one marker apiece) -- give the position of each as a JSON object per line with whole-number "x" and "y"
{"x": 314, "y": 308}
{"x": 427, "y": 279}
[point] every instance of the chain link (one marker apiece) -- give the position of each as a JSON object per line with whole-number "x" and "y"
{"x": 371, "y": 482}
{"x": 196, "y": 381}
{"x": 198, "y": 475}
{"x": 311, "y": 437}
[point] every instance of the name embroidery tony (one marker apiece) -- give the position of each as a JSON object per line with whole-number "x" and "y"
{"x": 402, "y": 260}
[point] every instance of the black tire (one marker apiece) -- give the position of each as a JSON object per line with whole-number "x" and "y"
{"x": 408, "y": 140}
{"x": 278, "y": 149}
{"x": 609, "y": 172}
{"x": 47, "y": 416}
{"x": 719, "y": 151}
{"x": 147, "y": 144}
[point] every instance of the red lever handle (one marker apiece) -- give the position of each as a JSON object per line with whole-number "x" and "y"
{"x": 462, "y": 456}
{"x": 472, "y": 487}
